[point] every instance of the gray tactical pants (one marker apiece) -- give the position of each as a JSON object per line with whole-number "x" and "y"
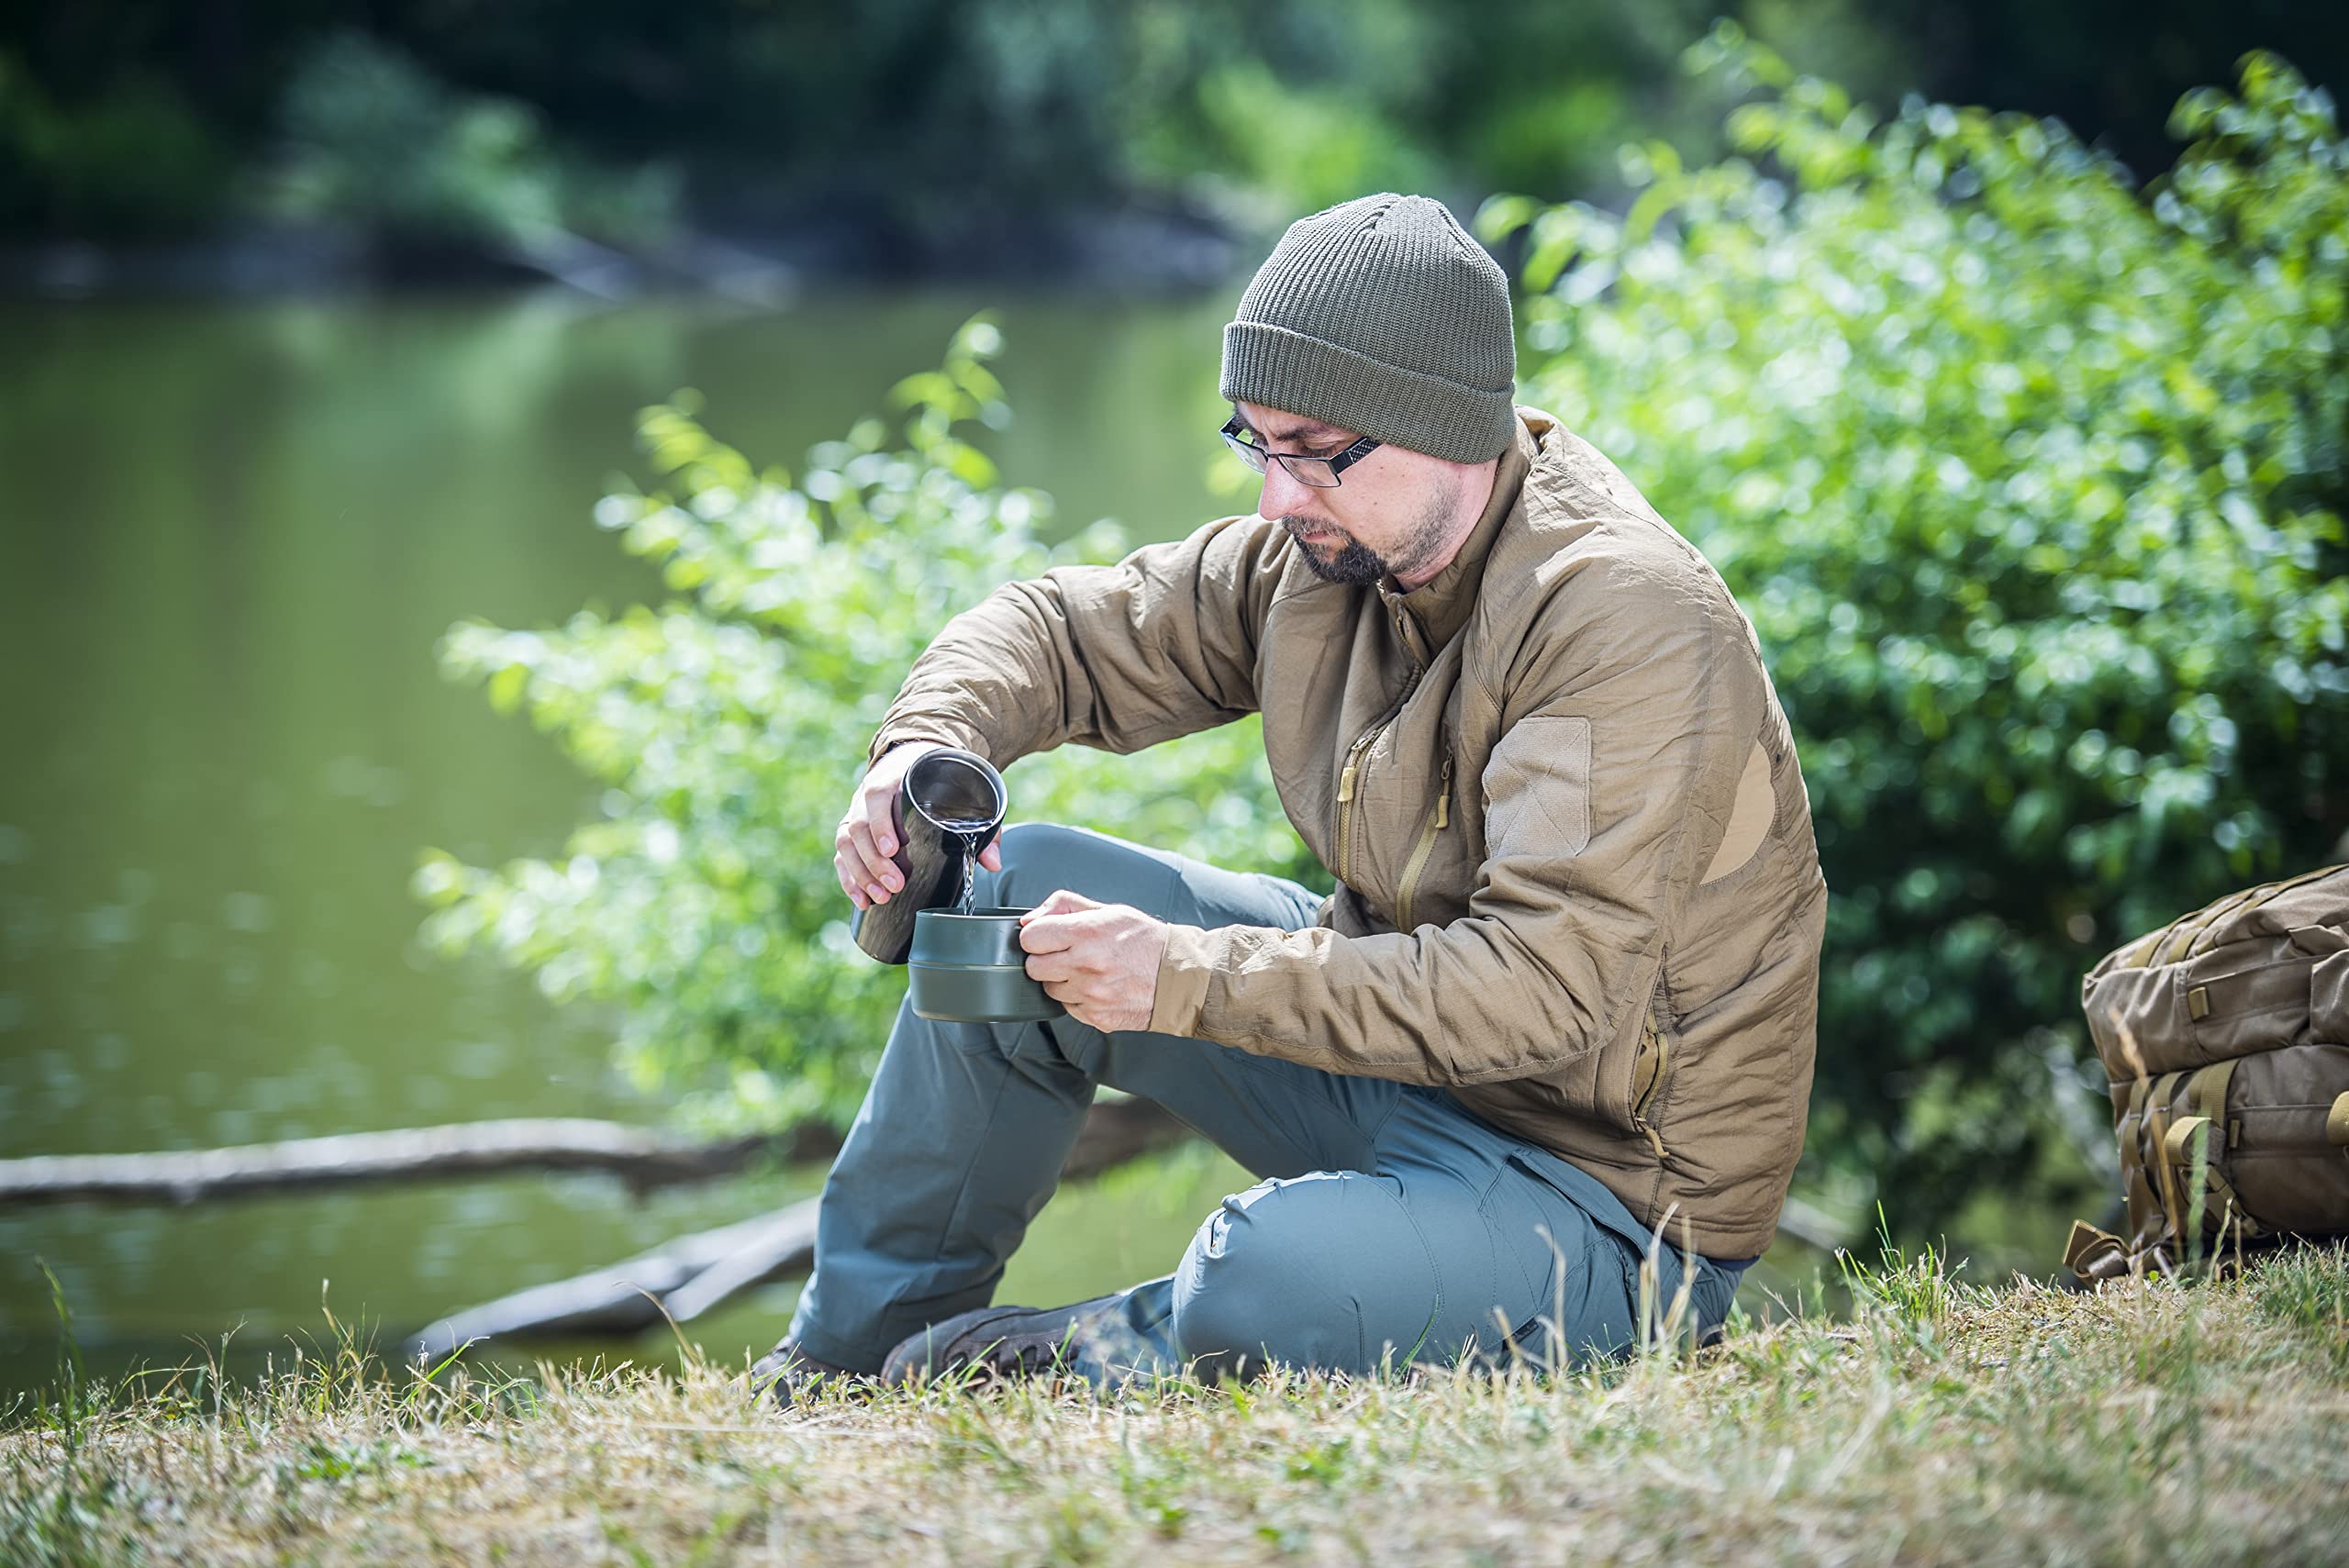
{"x": 1390, "y": 1222}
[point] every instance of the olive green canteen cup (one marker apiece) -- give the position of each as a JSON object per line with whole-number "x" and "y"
{"x": 970, "y": 968}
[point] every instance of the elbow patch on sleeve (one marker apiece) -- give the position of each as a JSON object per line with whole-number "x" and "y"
{"x": 1537, "y": 784}
{"x": 1749, "y": 818}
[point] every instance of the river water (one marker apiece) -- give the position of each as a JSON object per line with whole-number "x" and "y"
{"x": 229, "y": 534}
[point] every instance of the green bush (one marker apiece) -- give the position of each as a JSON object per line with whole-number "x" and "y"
{"x": 2033, "y": 488}
{"x": 730, "y": 725}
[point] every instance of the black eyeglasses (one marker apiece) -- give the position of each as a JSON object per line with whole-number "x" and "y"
{"x": 1321, "y": 472}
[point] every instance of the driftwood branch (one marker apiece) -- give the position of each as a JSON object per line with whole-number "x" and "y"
{"x": 690, "y": 1275}
{"x": 427, "y": 1153}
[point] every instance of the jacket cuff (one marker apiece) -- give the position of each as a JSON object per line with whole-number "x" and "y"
{"x": 938, "y": 733}
{"x": 1183, "y": 975}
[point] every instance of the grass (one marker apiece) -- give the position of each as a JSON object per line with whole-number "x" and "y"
{"x": 1939, "y": 1422}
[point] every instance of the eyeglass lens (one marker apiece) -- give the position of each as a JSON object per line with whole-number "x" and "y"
{"x": 1313, "y": 471}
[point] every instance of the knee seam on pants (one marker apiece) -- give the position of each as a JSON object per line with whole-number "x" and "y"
{"x": 1256, "y": 1344}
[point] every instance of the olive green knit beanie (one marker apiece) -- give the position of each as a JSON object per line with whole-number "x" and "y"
{"x": 1381, "y": 314}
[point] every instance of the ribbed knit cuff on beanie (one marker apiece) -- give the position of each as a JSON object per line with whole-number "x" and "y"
{"x": 1381, "y": 315}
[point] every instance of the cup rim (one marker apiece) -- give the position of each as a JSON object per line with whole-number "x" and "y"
{"x": 955, "y": 756}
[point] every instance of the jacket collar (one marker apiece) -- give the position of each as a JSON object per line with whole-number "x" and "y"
{"x": 1440, "y": 607}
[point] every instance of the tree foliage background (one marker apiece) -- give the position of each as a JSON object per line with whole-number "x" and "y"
{"x": 2033, "y": 483}
{"x": 127, "y": 115}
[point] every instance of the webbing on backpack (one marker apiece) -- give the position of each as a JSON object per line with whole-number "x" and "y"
{"x": 2224, "y": 1036}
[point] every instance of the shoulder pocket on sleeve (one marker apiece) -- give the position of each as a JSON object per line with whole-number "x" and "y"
{"x": 1537, "y": 782}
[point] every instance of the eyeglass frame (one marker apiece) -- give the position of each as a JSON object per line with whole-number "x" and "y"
{"x": 1250, "y": 453}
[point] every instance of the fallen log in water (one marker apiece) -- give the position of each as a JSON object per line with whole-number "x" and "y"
{"x": 688, "y": 1277}
{"x": 643, "y": 1159}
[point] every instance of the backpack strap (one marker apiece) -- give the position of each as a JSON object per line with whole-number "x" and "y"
{"x": 2153, "y": 1137}
{"x": 2206, "y": 1091}
{"x": 2134, "y": 1178}
{"x": 2094, "y": 1254}
{"x": 2188, "y": 933}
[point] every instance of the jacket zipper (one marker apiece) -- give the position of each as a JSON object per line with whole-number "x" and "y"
{"x": 1418, "y": 861}
{"x": 1352, "y": 770}
{"x": 1647, "y": 1076}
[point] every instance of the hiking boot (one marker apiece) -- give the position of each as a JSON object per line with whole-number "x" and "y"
{"x": 787, "y": 1374}
{"x": 1004, "y": 1341}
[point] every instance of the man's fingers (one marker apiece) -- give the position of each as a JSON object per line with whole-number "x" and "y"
{"x": 872, "y": 869}
{"x": 1045, "y": 934}
{"x": 853, "y": 881}
{"x": 881, "y": 812}
{"x": 1049, "y": 968}
{"x": 855, "y": 872}
{"x": 1057, "y": 922}
{"x": 992, "y": 856}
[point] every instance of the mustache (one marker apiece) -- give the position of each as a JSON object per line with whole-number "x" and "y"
{"x": 1297, "y": 525}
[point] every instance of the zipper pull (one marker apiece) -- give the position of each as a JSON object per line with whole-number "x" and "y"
{"x": 1443, "y": 797}
{"x": 1346, "y": 786}
{"x": 1409, "y": 635}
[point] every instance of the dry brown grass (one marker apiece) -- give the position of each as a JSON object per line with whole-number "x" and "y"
{"x": 1941, "y": 1423}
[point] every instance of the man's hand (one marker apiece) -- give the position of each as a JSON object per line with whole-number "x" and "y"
{"x": 866, "y": 840}
{"x": 1099, "y": 961}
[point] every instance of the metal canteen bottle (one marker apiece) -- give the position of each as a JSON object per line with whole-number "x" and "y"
{"x": 950, "y": 806}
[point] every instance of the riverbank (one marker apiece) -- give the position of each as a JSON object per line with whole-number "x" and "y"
{"x": 1941, "y": 1423}
{"x": 1138, "y": 248}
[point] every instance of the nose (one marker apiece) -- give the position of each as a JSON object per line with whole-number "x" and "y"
{"x": 1284, "y": 494}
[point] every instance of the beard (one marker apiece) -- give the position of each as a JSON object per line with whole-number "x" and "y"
{"x": 1355, "y": 562}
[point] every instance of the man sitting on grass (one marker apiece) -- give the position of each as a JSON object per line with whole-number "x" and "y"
{"x": 1559, "y": 1015}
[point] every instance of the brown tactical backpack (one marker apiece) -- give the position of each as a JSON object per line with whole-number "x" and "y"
{"x": 2225, "y": 1035}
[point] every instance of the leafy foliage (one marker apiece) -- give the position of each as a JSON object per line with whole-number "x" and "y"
{"x": 2033, "y": 488}
{"x": 730, "y": 724}
{"x": 899, "y": 114}
{"x": 381, "y": 145}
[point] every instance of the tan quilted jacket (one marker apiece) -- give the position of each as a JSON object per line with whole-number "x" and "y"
{"x": 1578, "y": 883}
